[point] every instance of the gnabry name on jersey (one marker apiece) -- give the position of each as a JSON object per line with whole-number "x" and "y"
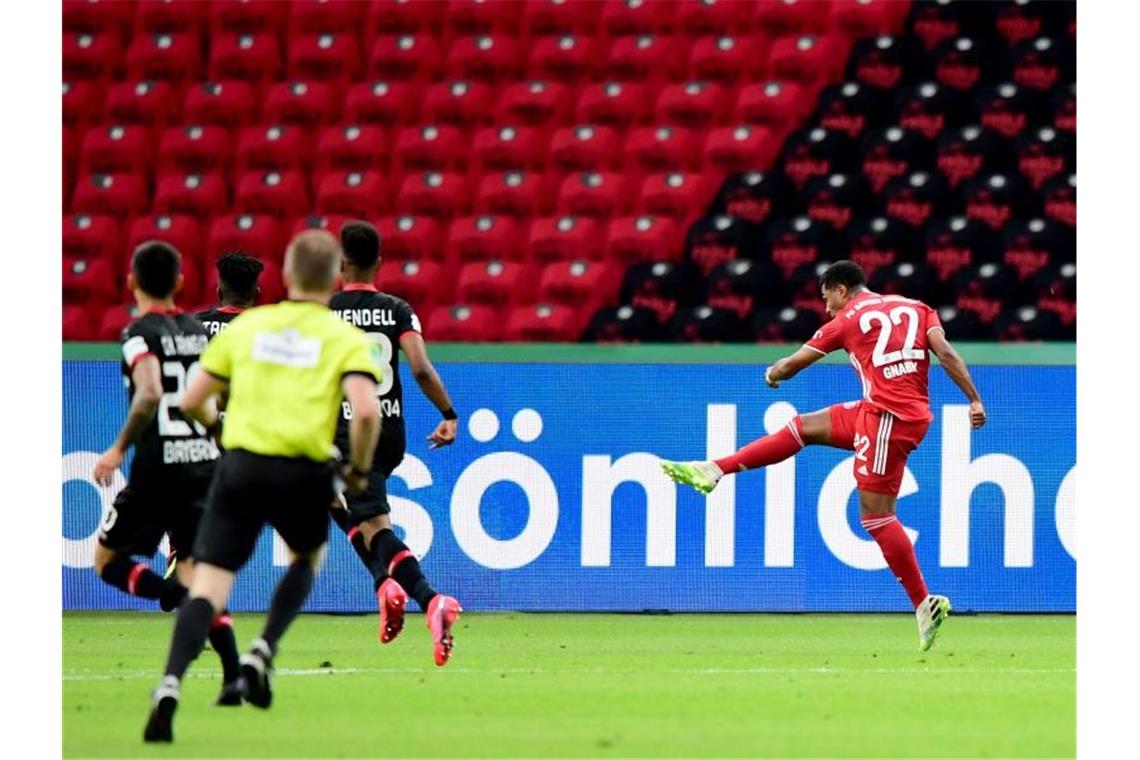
{"x": 367, "y": 317}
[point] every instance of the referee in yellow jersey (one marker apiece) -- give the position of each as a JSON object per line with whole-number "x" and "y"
{"x": 286, "y": 369}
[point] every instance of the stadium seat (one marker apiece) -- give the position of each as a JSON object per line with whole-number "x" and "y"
{"x": 963, "y": 154}
{"x": 1055, "y": 288}
{"x": 324, "y": 57}
{"x": 487, "y": 58}
{"x": 536, "y": 103}
{"x": 807, "y": 58}
{"x": 98, "y": 18}
{"x": 1063, "y": 103}
{"x": 82, "y": 103}
{"x": 182, "y": 232}
{"x": 145, "y": 103}
{"x": 195, "y": 149}
{"x": 814, "y": 151}
{"x": 740, "y": 148}
{"x": 547, "y": 17}
{"x": 962, "y": 324}
{"x": 253, "y": 58}
{"x": 381, "y": 103}
{"x": 661, "y": 287}
{"x": 174, "y": 58}
{"x": 558, "y": 239}
{"x": 405, "y": 57}
{"x": 93, "y": 237}
{"x": 786, "y": 324}
{"x": 200, "y": 195}
{"x": 894, "y": 152}
{"x": 958, "y": 242}
{"x": 514, "y": 193}
{"x": 698, "y": 105}
{"x": 91, "y": 282}
{"x": 567, "y": 58}
{"x": 224, "y": 104}
{"x": 918, "y": 197}
{"x": 1030, "y": 245}
{"x": 779, "y": 106}
{"x": 753, "y": 196}
{"x": 651, "y": 150}
{"x": 260, "y": 236}
{"x": 709, "y": 17}
{"x": 929, "y": 109}
{"x": 597, "y": 194}
{"x": 623, "y": 324}
{"x": 277, "y": 193}
{"x": 984, "y": 289}
{"x": 402, "y": 17}
{"x": 650, "y": 58}
{"x": 630, "y": 239}
{"x": 495, "y": 283}
{"x": 836, "y": 199}
{"x": 934, "y": 23}
{"x": 76, "y": 323}
{"x": 249, "y": 17}
{"x": 800, "y": 241}
{"x": 585, "y": 148}
{"x": 1059, "y": 199}
{"x": 713, "y": 240}
{"x": 1009, "y": 109}
{"x": 706, "y": 324}
{"x": 637, "y": 17}
{"x": 117, "y": 149}
{"x": 1016, "y": 22}
{"x": 351, "y": 148}
{"x": 788, "y": 17}
{"x": 728, "y": 59}
{"x": 498, "y": 149}
{"x": 880, "y": 241}
{"x": 114, "y": 320}
{"x": 439, "y": 194}
{"x": 485, "y": 237}
{"x": 677, "y": 195}
{"x": 461, "y": 103}
{"x": 884, "y": 62}
{"x": 465, "y": 17}
{"x": 473, "y": 323}
{"x": 406, "y": 238}
{"x": 997, "y": 198}
{"x": 324, "y": 17}
{"x": 117, "y": 195}
{"x": 547, "y": 323}
{"x": 615, "y": 104}
{"x": 305, "y": 104}
{"x": 963, "y": 63}
{"x": 351, "y": 193}
{"x": 741, "y": 286}
{"x": 868, "y": 17}
{"x": 580, "y": 284}
{"x": 913, "y": 279}
{"x": 422, "y": 283}
{"x": 1041, "y": 63}
{"x": 273, "y": 147}
{"x": 1045, "y": 153}
{"x": 92, "y": 56}
{"x": 852, "y": 108}
{"x": 172, "y": 18}
{"x": 1028, "y": 323}
{"x": 435, "y": 147}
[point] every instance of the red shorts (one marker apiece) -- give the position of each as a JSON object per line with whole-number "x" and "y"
{"x": 881, "y": 442}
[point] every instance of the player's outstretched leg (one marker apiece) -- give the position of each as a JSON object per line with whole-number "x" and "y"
{"x": 137, "y": 579}
{"x": 770, "y": 449}
{"x": 702, "y": 476}
{"x": 931, "y": 612}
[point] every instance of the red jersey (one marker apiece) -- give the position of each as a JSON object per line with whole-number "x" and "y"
{"x": 886, "y": 339}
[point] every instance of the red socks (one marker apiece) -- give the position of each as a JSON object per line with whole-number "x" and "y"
{"x": 767, "y": 450}
{"x": 899, "y": 552}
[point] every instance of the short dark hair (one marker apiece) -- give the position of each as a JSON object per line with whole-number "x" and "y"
{"x": 843, "y": 273}
{"x": 361, "y": 244}
{"x": 238, "y": 273}
{"x": 156, "y": 266}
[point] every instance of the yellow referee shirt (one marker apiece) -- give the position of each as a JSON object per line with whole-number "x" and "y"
{"x": 284, "y": 364}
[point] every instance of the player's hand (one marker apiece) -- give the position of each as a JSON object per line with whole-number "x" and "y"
{"x": 354, "y": 480}
{"x": 977, "y": 414}
{"x": 444, "y": 434}
{"x": 768, "y": 379}
{"x": 109, "y": 461}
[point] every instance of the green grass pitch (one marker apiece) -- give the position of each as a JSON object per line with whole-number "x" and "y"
{"x": 598, "y": 685}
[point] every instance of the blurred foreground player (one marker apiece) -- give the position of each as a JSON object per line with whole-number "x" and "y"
{"x": 278, "y": 468}
{"x": 237, "y": 290}
{"x": 174, "y": 458}
{"x": 390, "y": 323}
{"x": 888, "y": 339}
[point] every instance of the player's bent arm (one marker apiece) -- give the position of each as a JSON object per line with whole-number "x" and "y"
{"x": 790, "y": 366}
{"x": 412, "y": 344}
{"x": 956, "y": 368}
{"x": 364, "y": 427}
{"x": 199, "y": 400}
{"x": 147, "y": 377}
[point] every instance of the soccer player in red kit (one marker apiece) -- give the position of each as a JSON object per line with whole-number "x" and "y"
{"x": 889, "y": 340}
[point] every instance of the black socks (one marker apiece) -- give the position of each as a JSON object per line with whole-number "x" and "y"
{"x": 356, "y": 538}
{"x": 189, "y": 636}
{"x": 292, "y": 590}
{"x": 225, "y": 644}
{"x": 386, "y": 547}
{"x": 138, "y": 580}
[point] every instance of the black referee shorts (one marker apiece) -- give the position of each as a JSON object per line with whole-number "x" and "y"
{"x": 250, "y": 491}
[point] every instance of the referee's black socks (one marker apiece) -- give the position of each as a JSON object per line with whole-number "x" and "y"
{"x": 139, "y": 580}
{"x": 190, "y": 633}
{"x": 393, "y": 554}
{"x": 292, "y": 590}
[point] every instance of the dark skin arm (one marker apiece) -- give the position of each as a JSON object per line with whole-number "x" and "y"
{"x": 147, "y": 378}
{"x": 955, "y": 367}
{"x": 412, "y": 344}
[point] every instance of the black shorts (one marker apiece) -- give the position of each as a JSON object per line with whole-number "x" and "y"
{"x": 374, "y": 500}
{"x": 251, "y": 491}
{"x": 140, "y": 515}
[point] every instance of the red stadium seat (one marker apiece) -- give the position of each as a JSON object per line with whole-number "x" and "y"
{"x": 584, "y": 148}
{"x": 117, "y": 195}
{"x": 115, "y": 149}
{"x": 728, "y": 59}
{"x": 174, "y": 58}
{"x": 433, "y": 147}
{"x": 677, "y": 195}
{"x": 405, "y": 57}
{"x": 648, "y": 58}
{"x": 692, "y": 104}
{"x": 195, "y": 149}
{"x": 507, "y": 148}
{"x": 631, "y": 239}
{"x": 251, "y": 58}
{"x": 113, "y": 320}
{"x": 402, "y": 17}
{"x": 421, "y": 283}
{"x": 382, "y": 103}
{"x": 249, "y": 17}
{"x": 868, "y": 17}
{"x": 536, "y": 103}
{"x": 351, "y": 193}
{"x": 460, "y": 103}
{"x": 463, "y": 323}
{"x": 439, "y": 194}
{"x": 172, "y": 18}
{"x": 547, "y": 323}
{"x": 546, "y": 17}
{"x": 563, "y": 238}
{"x": 182, "y": 232}
{"x": 742, "y": 148}
{"x": 77, "y": 323}
{"x": 340, "y": 17}
{"x": 481, "y": 238}
{"x": 514, "y": 193}
{"x": 660, "y": 149}
{"x": 481, "y": 17}
{"x": 579, "y": 284}
{"x": 489, "y": 58}
{"x": 615, "y": 104}
{"x": 780, "y": 106}
{"x": 778, "y": 19}
{"x": 281, "y": 194}
{"x": 637, "y": 17}
{"x": 597, "y": 194}
{"x": 82, "y": 103}
{"x": 807, "y": 58}
{"x": 98, "y": 17}
{"x": 260, "y": 236}
{"x": 91, "y": 282}
{"x": 351, "y": 148}
{"x": 276, "y": 147}
{"x": 92, "y": 56}
{"x": 305, "y": 104}
{"x": 406, "y": 238}
{"x": 568, "y": 58}
{"x": 148, "y": 104}
{"x": 200, "y": 195}
{"x": 225, "y": 104}
{"x": 93, "y": 237}
{"x": 495, "y": 283}
{"x": 324, "y": 58}
{"x": 711, "y": 17}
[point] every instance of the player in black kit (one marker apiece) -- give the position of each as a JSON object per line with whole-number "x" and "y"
{"x": 174, "y": 457}
{"x": 237, "y": 290}
{"x": 391, "y": 323}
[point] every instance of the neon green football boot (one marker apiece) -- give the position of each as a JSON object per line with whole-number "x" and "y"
{"x": 702, "y": 476}
{"x": 931, "y": 614}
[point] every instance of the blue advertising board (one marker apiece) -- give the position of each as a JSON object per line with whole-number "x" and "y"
{"x": 552, "y": 499}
